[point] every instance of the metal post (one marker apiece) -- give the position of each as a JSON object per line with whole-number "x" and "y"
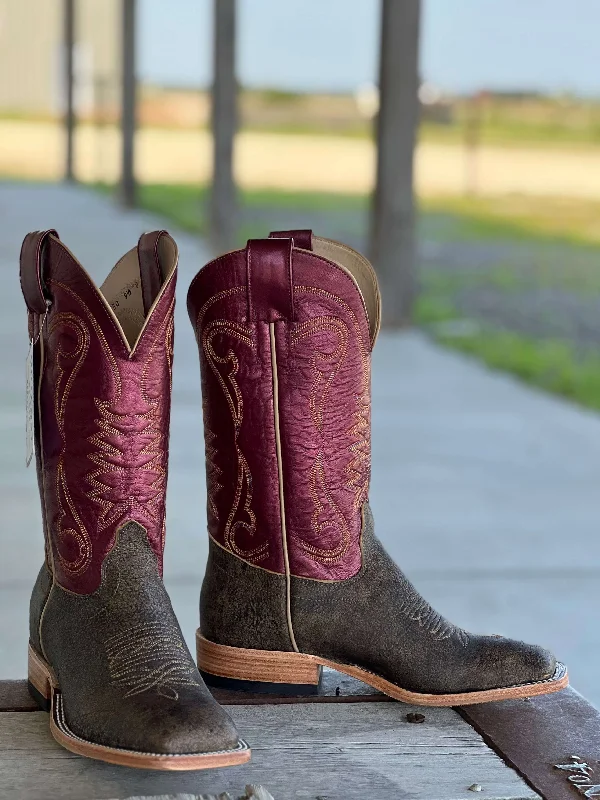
{"x": 128, "y": 104}
{"x": 223, "y": 201}
{"x": 392, "y": 226}
{"x": 69, "y": 78}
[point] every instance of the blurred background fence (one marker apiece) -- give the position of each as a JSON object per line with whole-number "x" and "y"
{"x": 506, "y": 173}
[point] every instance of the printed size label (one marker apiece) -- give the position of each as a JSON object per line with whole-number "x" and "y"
{"x": 29, "y": 407}
{"x": 127, "y": 296}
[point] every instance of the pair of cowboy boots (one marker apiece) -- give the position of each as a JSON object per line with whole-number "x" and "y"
{"x": 296, "y": 578}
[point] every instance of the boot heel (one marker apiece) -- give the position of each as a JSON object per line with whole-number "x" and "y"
{"x": 265, "y": 671}
{"x": 40, "y": 680}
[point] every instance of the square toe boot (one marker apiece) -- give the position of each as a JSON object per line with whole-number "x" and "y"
{"x": 296, "y": 578}
{"x": 106, "y": 656}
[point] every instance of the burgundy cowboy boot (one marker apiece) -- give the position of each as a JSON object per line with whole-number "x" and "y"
{"x": 296, "y": 578}
{"x": 106, "y": 655}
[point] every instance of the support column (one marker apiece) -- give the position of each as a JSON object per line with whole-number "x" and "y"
{"x": 223, "y": 198}
{"x": 393, "y": 241}
{"x": 128, "y": 104}
{"x": 69, "y": 79}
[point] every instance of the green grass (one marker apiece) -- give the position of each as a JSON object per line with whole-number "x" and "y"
{"x": 184, "y": 204}
{"x": 551, "y": 365}
{"x": 555, "y": 366}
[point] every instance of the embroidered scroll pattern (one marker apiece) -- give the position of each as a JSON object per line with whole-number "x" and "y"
{"x": 325, "y": 366}
{"x": 69, "y": 527}
{"x": 326, "y": 512}
{"x": 130, "y": 447}
{"x": 213, "y": 471}
{"x": 241, "y": 516}
{"x": 157, "y": 416}
{"x": 77, "y": 531}
{"x": 130, "y": 474}
{"x": 358, "y": 470}
{"x": 150, "y": 656}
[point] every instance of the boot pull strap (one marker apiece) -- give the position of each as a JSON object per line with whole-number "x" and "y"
{"x": 302, "y": 238}
{"x": 269, "y": 279}
{"x": 31, "y": 270}
{"x": 151, "y": 276}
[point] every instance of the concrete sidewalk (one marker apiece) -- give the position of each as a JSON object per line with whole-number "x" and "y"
{"x": 484, "y": 490}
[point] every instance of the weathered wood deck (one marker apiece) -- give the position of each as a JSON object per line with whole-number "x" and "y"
{"x": 354, "y": 744}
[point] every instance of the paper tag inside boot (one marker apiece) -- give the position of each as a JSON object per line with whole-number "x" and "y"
{"x": 29, "y": 407}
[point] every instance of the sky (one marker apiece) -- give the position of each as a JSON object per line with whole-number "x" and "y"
{"x": 331, "y": 45}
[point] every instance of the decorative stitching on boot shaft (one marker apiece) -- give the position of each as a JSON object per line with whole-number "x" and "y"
{"x": 325, "y": 367}
{"x": 111, "y": 412}
{"x": 235, "y": 403}
{"x": 68, "y": 364}
{"x": 359, "y": 468}
{"x": 78, "y": 534}
{"x": 325, "y": 414}
{"x": 75, "y": 533}
{"x": 127, "y": 457}
{"x": 77, "y": 355}
{"x": 213, "y": 471}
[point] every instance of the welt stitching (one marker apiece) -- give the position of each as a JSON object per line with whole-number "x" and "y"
{"x": 62, "y": 725}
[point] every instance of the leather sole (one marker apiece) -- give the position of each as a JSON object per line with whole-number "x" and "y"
{"x": 301, "y": 669}
{"x": 45, "y": 690}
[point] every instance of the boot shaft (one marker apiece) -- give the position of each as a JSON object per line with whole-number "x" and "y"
{"x": 285, "y": 336}
{"x": 102, "y": 398}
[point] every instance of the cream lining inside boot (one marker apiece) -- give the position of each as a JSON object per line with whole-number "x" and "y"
{"x": 361, "y": 271}
{"x": 122, "y": 289}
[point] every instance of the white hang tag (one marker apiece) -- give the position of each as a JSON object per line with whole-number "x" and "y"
{"x": 29, "y": 407}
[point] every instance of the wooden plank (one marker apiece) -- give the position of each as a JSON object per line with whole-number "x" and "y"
{"x": 128, "y": 104}
{"x": 548, "y": 740}
{"x": 223, "y": 198}
{"x": 299, "y": 751}
{"x": 69, "y": 80}
{"x": 392, "y": 225}
{"x": 15, "y": 697}
{"x": 532, "y": 736}
{"x": 251, "y": 793}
